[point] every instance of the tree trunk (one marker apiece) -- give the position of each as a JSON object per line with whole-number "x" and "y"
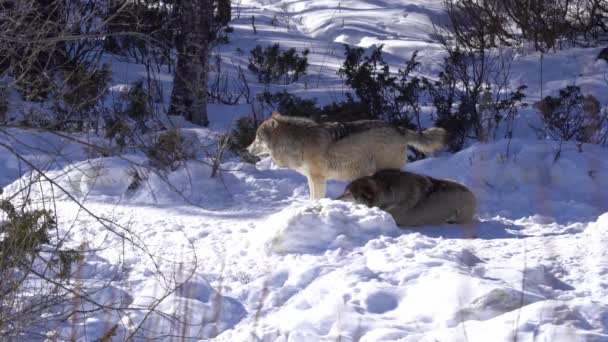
{"x": 189, "y": 95}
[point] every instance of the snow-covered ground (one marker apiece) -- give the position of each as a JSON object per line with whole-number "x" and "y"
{"x": 261, "y": 262}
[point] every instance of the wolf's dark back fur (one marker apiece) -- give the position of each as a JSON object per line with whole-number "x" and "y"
{"x": 341, "y": 130}
{"x": 338, "y": 130}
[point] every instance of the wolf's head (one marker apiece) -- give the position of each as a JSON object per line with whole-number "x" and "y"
{"x": 261, "y": 144}
{"x": 362, "y": 191}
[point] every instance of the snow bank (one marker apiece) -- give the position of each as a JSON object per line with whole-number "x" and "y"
{"x": 522, "y": 178}
{"x": 315, "y": 227}
{"x": 414, "y": 288}
{"x": 202, "y": 311}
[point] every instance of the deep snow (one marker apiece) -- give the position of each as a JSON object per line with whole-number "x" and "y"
{"x": 264, "y": 263}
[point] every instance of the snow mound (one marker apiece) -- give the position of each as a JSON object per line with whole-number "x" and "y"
{"x": 314, "y": 227}
{"x": 529, "y": 180}
{"x": 410, "y": 288}
{"x": 203, "y": 312}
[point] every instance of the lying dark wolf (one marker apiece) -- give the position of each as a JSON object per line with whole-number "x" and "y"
{"x": 413, "y": 199}
{"x": 344, "y": 151}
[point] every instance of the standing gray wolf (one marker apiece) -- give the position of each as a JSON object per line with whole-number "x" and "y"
{"x": 343, "y": 151}
{"x": 413, "y": 199}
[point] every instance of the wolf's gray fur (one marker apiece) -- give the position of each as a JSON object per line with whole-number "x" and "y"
{"x": 345, "y": 151}
{"x": 413, "y": 199}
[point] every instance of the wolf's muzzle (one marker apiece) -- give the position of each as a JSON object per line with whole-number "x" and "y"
{"x": 347, "y": 197}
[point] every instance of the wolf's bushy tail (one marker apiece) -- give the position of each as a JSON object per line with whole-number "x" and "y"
{"x": 427, "y": 141}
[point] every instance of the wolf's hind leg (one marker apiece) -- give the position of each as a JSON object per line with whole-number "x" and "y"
{"x": 440, "y": 208}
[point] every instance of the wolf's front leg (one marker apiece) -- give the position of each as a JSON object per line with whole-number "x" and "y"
{"x": 317, "y": 187}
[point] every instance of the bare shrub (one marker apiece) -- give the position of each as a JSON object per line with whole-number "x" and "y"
{"x": 590, "y": 19}
{"x": 3, "y": 105}
{"x": 547, "y": 24}
{"x": 225, "y": 87}
{"x": 478, "y": 24}
{"x": 572, "y": 116}
{"x": 472, "y": 94}
{"x": 472, "y": 97}
{"x": 543, "y": 23}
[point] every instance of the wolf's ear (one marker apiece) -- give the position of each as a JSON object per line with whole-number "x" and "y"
{"x": 273, "y": 122}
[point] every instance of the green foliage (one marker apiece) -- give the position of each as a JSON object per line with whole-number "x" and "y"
{"x": 223, "y": 12}
{"x": 292, "y": 105}
{"x": 149, "y": 27}
{"x": 272, "y": 64}
{"x": 171, "y": 150}
{"x": 118, "y": 129}
{"x": 349, "y": 110}
{"x": 241, "y": 136}
{"x": 32, "y": 83}
{"x": 369, "y": 76}
{"x": 393, "y": 98}
{"x": 75, "y": 102}
{"x": 33, "y": 267}
{"x": 289, "y": 104}
{"x": 129, "y": 116}
{"x": 66, "y": 259}
{"x": 84, "y": 87}
{"x": 243, "y": 133}
{"x": 23, "y": 234}
{"x": 138, "y": 107}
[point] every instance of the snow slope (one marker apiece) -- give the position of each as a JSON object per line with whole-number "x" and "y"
{"x": 285, "y": 268}
{"x": 259, "y": 261}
